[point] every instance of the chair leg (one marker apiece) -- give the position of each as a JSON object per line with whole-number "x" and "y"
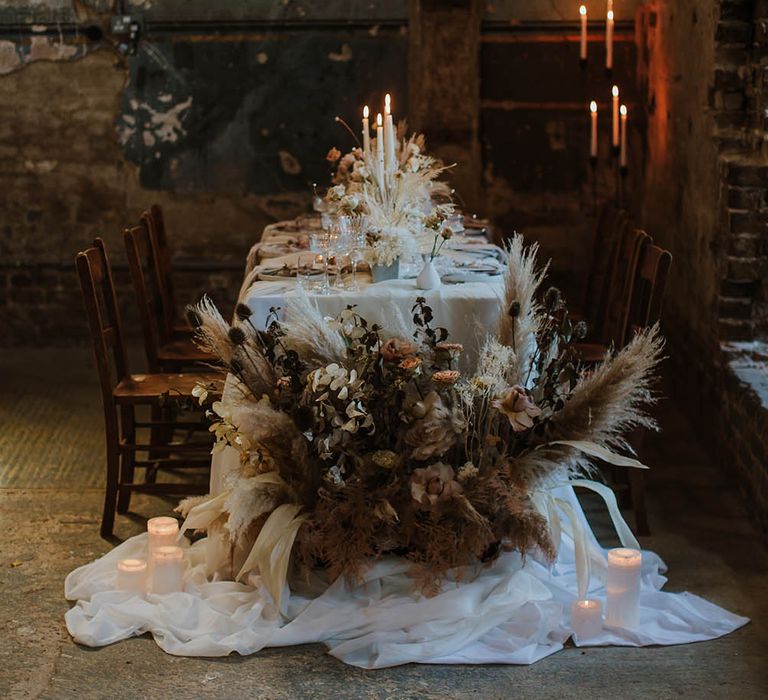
{"x": 637, "y": 493}
{"x": 110, "y": 494}
{"x": 128, "y": 459}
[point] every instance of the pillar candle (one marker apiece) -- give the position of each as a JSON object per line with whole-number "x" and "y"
{"x": 131, "y": 575}
{"x": 583, "y": 43}
{"x": 389, "y": 136}
{"x": 162, "y": 531}
{"x": 586, "y": 618}
{"x": 623, "y": 587}
{"x": 167, "y": 569}
{"x": 615, "y": 116}
{"x": 623, "y": 147}
{"x": 609, "y": 40}
{"x": 380, "y": 151}
{"x": 366, "y": 132}
{"x": 593, "y": 129}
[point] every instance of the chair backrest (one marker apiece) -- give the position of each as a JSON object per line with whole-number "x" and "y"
{"x": 605, "y": 252}
{"x": 153, "y": 220}
{"x": 631, "y": 247}
{"x": 138, "y": 250}
{"x": 650, "y": 287}
{"x": 95, "y": 275}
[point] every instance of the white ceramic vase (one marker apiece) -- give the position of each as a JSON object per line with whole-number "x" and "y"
{"x": 428, "y": 277}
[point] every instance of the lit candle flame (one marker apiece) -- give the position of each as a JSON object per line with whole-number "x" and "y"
{"x": 623, "y": 110}
{"x": 365, "y": 112}
{"x": 387, "y": 103}
{"x": 610, "y": 15}
{"x": 593, "y": 106}
{"x": 583, "y": 10}
{"x": 379, "y": 120}
{"x": 615, "y": 91}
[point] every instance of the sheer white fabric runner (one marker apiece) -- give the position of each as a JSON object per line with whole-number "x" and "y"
{"x": 512, "y": 612}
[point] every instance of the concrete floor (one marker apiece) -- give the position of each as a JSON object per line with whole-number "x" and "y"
{"x": 51, "y": 463}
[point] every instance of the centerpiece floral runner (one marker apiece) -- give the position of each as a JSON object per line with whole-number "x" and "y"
{"x": 358, "y": 441}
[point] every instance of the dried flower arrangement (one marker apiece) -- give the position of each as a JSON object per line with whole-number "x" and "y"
{"x": 397, "y": 204}
{"x": 357, "y": 442}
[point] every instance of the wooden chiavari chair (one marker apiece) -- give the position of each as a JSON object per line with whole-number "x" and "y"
{"x": 122, "y": 392}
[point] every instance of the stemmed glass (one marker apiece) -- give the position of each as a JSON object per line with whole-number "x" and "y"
{"x": 325, "y": 243}
{"x": 352, "y": 228}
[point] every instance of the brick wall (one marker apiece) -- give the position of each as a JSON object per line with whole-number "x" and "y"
{"x": 702, "y": 193}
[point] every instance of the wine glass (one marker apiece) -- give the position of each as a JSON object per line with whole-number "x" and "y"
{"x": 352, "y": 228}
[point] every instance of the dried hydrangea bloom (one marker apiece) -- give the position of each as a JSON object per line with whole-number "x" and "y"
{"x": 434, "y": 484}
{"x": 518, "y": 407}
{"x": 396, "y": 349}
{"x": 386, "y": 459}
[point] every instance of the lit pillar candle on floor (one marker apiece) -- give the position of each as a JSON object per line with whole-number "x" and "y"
{"x": 389, "y": 136}
{"x": 623, "y": 587}
{"x": 131, "y": 575}
{"x": 615, "y": 116}
{"x": 167, "y": 569}
{"x": 380, "y": 151}
{"x": 162, "y": 531}
{"x": 366, "y": 132}
{"x": 586, "y": 618}
{"x": 623, "y": 146}
{"x": 593, "y": 129}
{"x": 583, "y": 41}
{"x": 609, "y": 40}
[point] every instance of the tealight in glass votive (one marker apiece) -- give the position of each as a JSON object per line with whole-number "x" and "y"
{"x": 586, "y": 618}
{"x": 623, "y": 587}
{"x": 167, "y": 569}
{"x": 162, "y": 532}
{"x": 131, "y": 575}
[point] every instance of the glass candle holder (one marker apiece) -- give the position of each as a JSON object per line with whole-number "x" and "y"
{"x": 163, "y": 531}
{"x": 623, "y": 587}
{"x": 167, "y": 569}
{"x": 586, "y": 618}
{"x": 131, "y": 575}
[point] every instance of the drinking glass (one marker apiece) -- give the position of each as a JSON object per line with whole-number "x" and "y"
{"x": 305, "y": 271}
{"x": 352, "y": 228}
{"x": 320, "y": 243}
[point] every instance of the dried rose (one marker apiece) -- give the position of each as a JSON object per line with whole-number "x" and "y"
{"x": 410, "y": 364}
{"x": 333, "y": 155}
{"x": 284, "y": 382}
{"x": 436, "y": 430}
{"x": 434, "y": 484}
{"x": 518, "y": 407}
{"x": 396, "y": 349}
{"x": 446, "y": 376}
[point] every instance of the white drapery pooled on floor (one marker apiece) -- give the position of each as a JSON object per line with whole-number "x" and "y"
{"x": 514, "y": 611}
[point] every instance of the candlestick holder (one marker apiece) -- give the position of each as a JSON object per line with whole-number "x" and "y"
{"x": 583, "y": 64}
{"x": 623, "y": 173}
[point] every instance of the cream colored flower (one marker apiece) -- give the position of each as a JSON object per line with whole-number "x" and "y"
{"x": 436, "y": 430}
{"x": 434, "y": 484}
{"x": 518, "y": 407}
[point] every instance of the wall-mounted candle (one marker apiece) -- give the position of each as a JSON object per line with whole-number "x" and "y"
{"x": 380, "y": 151}
{"x": 593, "y": 129}
{"x": 623, "y": 587}
{"x": 609, "y": 40}
{"x": 131, "y": 575}
{"x": 389, "y": 136}
{"x": 623, "y": 147}
{"x": 366, "y": 132}
{"x": 167, "y": 569}
{"x": 586, "y": 618}
{"x": 583, "y": 42}
{"x": 162, "y": 531}
{"x": 615, "y": 116}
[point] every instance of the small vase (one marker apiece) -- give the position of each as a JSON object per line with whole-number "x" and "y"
{"x": 428, "y": 277}
{"x": 382, "y": 273}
